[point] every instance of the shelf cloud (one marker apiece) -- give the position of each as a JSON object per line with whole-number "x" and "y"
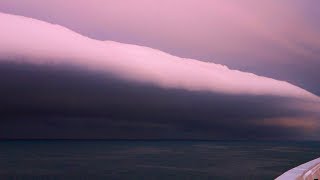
{"x": 67, "y": 85}
{"x": 42, "y": 43}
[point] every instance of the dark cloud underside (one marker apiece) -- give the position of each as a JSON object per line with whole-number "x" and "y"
{"x": 66, "y": 102}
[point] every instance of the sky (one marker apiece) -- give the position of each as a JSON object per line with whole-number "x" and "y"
{"x": 184, "y": 76}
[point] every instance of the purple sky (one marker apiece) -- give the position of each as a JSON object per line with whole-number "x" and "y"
{"x": 270, "y": 38}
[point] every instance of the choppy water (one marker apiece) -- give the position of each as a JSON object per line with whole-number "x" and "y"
{"x": 151, "y": 159}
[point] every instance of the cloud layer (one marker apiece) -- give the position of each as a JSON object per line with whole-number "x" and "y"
{"x": 65, "y": 85}
{"x": 271, "y": 38}
{"x": 53, "y": 101}
{"x": 42, "y": 43}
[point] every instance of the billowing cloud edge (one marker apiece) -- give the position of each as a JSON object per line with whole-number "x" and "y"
{"x": 28, "y": 40}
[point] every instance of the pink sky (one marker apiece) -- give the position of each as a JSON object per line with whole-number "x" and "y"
{"x": 267, "y": 29}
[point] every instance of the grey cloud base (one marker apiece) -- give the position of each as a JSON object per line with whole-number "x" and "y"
{"x": 60, "y": 102}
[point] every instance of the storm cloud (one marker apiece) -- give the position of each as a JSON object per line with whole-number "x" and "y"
{"x": 42, "y": 43}
{"x": 56, "y": 83}
{"x": 269, "y": 38}
{"x": 41, "y": 101}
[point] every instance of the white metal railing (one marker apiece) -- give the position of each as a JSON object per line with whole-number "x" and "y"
{"x": 306, "y": 171}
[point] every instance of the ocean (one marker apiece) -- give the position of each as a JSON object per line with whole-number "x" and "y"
{"x": 151, "y": 160}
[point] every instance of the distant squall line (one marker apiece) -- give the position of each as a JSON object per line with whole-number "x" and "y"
{"x": 32, "y": 41}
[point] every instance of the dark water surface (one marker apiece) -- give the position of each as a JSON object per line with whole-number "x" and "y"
{"x": 68, "y": 159}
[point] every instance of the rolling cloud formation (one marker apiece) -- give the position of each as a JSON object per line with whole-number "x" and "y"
{"x": 65, "y": 85}
{"x": 42, "y": 43}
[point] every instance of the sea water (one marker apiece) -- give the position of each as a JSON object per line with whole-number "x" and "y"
{"x": 102, "y": 159}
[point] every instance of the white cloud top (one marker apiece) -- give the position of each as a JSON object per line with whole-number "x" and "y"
{"x": 33, "y": 41}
